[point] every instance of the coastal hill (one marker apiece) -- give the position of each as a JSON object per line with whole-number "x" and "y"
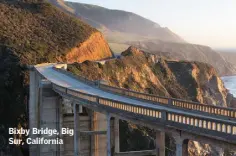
{"x": 229, "y": 55}
{"x": 117, "y": 24}
{"x": 33, "y": 32}
{"x": 123, "y": 29}
{"x": 190, "y": 52}
{"x": 35, "y": 28}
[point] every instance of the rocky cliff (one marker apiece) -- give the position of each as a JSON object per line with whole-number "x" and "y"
{"x": 152, "y": 74}
{"x": 94, "y": 48}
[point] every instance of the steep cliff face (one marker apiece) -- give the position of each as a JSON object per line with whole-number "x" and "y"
{"x": 201, "y": 81}
{"x": 149, "y": 73}
{"x": 94, "y": 48}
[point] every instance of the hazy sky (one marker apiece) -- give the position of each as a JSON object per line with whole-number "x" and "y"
{"x": 207, "y": 22}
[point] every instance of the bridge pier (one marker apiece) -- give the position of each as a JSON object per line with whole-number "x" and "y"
{"x": 49, "y": 114}
{"x": 160, "y": 143}
{"x": 108, "y": 135}
{"x": 33, "y": 105}
{"x": 76, "y": 130}
{"x": 92, "y": 137}
{"x": 181, "y": 146}
{"x": 117, "y": 135}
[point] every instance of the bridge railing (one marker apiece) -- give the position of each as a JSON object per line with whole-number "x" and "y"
{"x": 130, "y": 93}
{"x": 170, "y": 102}
{"x": 225, "y": 129}
{"x": 216, "y": 110}
{"x": 223, "y": 111}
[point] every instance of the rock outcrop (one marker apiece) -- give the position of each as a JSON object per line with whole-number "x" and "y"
{"x": 149, "y": 73}
{"x": 94, "y": 48}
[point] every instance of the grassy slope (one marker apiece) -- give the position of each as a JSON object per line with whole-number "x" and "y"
{"x": 39, "y": 28}
{"x": 31, "y": 32}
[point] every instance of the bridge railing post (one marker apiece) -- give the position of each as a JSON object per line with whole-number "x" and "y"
{"x": 98, "y": 83}
{"x": 170, "y": 102}
{"x": 163, "y": 115}
{"x": 97, "y": 100}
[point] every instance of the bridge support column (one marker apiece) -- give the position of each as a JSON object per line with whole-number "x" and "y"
{"x": 76, "y": 129}
{"x": 100, "y": 141}
{"x": 108, "y": 135}
{"x": 49, "y": 118}
{"x": 160, "y": 143}
{"x": 181, "y": 147}
{"x": 33, "y": 110}
{"x": 117, "y": 135}
{"x": 92, "y": 137}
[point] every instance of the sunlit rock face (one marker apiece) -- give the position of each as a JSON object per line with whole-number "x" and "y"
{"x": 94, "y": 48}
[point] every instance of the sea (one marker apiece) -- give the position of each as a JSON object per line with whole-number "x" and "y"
{"x": 230, "y": 84}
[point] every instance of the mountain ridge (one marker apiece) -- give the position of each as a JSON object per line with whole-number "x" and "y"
{"x": 190, "y": 52}
{"x": 103, "y": 19}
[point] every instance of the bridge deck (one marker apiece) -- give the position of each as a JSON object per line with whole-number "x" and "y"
{"x": 69, "y": 82}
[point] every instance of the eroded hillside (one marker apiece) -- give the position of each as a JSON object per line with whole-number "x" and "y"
{"x": 152, "y": 74}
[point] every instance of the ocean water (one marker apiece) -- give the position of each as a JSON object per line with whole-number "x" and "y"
{"x": 230, "y": 84}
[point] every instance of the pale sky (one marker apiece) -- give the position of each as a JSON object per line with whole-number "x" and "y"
{"x": 207, "y": 22}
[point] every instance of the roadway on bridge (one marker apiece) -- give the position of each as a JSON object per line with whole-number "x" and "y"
{"x": 66, "y": 81}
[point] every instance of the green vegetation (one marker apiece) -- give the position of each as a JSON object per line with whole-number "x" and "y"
{"x": 35, "y": 28}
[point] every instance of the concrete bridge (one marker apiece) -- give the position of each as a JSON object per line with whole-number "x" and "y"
{"x": 93, "y": 110}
